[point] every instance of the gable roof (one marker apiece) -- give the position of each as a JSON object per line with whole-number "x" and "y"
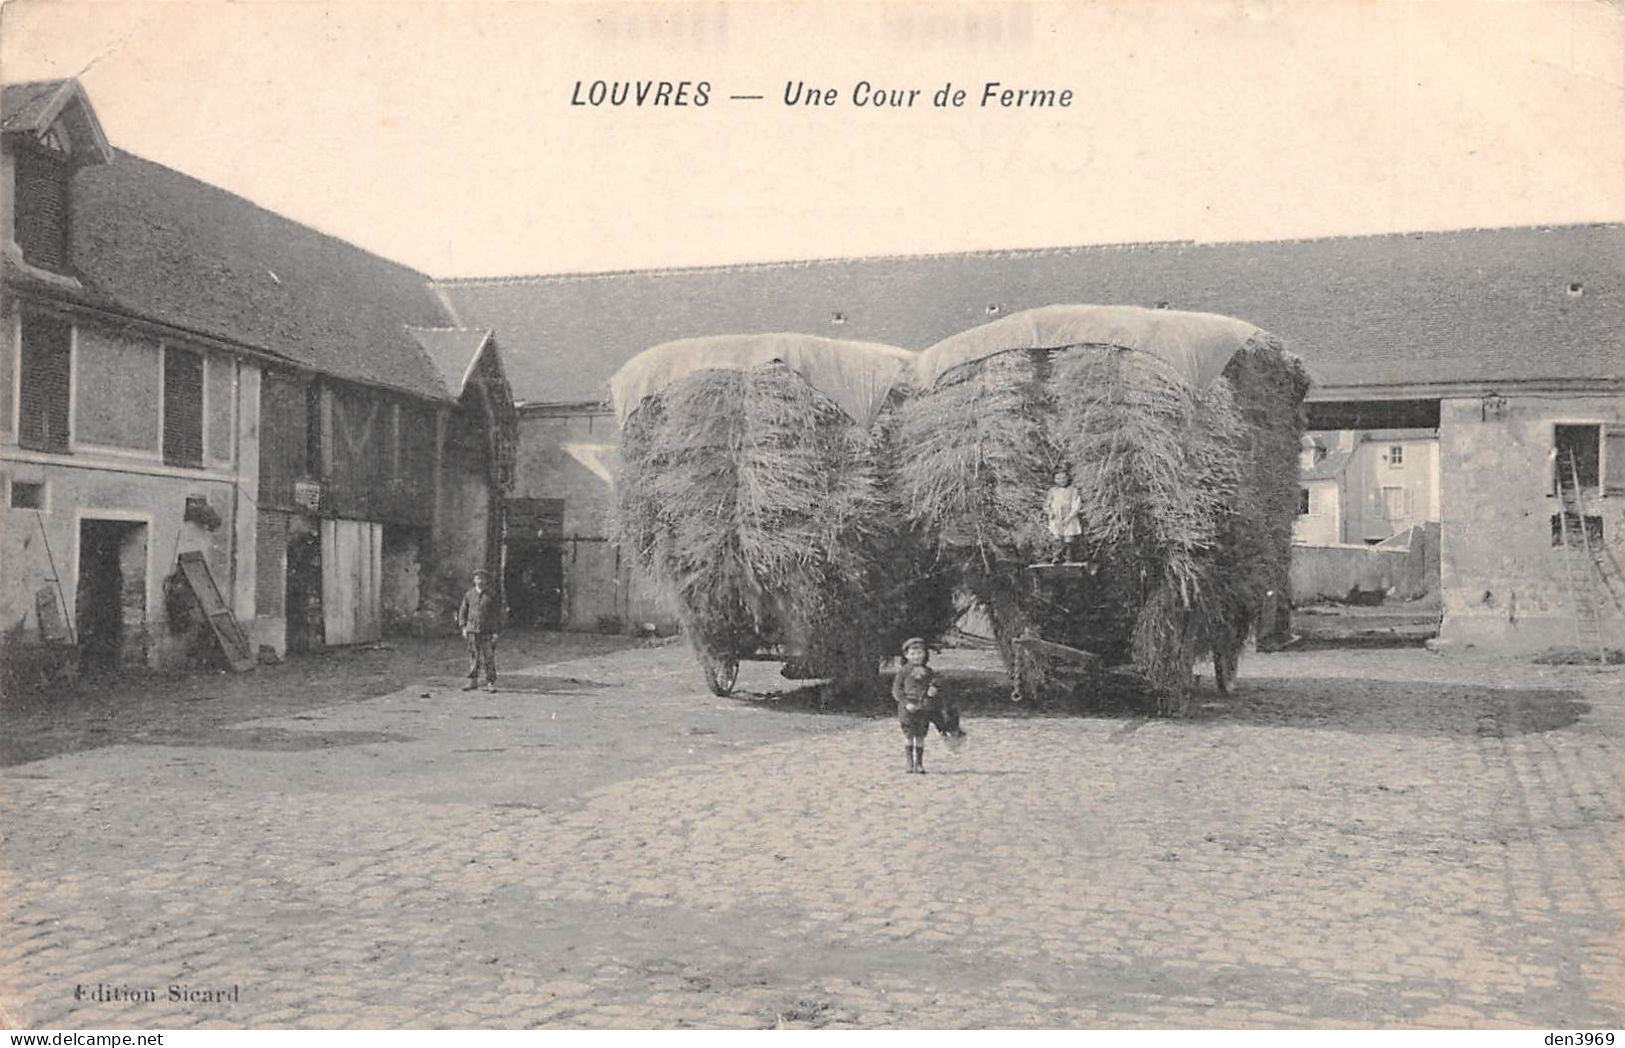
{"x": 36, "y": 105}
{"x": 156, "y": 244}
{"x": 1372, "y": 316}
{"x": 25, "y": 106}
{"x": 453, "y": 352}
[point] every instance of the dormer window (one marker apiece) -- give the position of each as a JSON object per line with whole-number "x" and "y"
{"x": 53, "y": 140}
{"x": 41, "y": 216}
{"x": 50, "y": 131}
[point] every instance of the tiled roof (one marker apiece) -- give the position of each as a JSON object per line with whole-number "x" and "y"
{"x": 452, "y": 350}
{"x": 1328, "y": 468}
{"x": 157, "y": 244}
{"x": 1383, "y": 436}
{"x": 25, "y": 104}
{"x": 1398, "y": 310}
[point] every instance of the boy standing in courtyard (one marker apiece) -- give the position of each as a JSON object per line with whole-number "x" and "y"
{"x": 479, "y": 617}
{"x": 920, "y": 705}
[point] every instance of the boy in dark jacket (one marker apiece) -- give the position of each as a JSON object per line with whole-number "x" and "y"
{"x": 919, "y": 704}
{"x": 480, "y": 619}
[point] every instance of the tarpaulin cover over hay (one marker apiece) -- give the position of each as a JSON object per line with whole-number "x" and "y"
{"x": 758, "y": 485}
{"x": 1182, "y": 432}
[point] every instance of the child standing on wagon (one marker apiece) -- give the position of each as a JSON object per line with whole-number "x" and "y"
{"x": 1063, "y": 509}
{"x": 920, "y": 705}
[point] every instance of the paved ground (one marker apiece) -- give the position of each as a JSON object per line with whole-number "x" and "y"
{"x": 1353, "y": 838}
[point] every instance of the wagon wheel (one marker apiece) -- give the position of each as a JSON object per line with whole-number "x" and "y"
{"x": 721, "y": 673}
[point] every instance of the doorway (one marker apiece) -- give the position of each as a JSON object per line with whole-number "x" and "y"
{"x": 533, "y": 576}
{"x": 110, "y": 604}
{"x": 304, "y": 593}
{"x": 534, "y": 583}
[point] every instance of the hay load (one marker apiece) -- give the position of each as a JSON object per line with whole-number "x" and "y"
{"x": 1181, "y": 430}
{"x": 758, "y": 487}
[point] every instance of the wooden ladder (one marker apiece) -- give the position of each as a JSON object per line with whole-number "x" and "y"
{"x": 1583, "y": 578}
{"x": 1604, "y": 567}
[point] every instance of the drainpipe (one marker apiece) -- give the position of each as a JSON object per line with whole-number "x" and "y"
{"x": 236, "y": 474}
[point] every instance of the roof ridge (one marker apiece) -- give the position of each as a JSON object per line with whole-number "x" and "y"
{"x": 796, "y": 263}
{"x": 36, "y": 83}
{"x": 990, "y": 253}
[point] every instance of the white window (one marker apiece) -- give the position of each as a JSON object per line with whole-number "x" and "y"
{"x": 1396, "y": 455}
{"x": 1395, "y": 505}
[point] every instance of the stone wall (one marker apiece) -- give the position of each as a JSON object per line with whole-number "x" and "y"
{"x": 1505, "y": 584}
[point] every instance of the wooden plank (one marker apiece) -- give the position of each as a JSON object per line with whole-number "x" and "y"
{"x": 1069, "y": 570}
{"x": 352, "y": 573}
{"x": 1051, "y": 651}
{"x": 333, "y": 629}
{"x": 226, "y": 628}
{"x": 369, "y": 575}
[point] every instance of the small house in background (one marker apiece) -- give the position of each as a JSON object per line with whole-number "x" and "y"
{"x": 1320, "y": 490}
{"x": 1455, "y": 371}
{"x": 185, "y": 374}
{"x": 1368, "y": 486}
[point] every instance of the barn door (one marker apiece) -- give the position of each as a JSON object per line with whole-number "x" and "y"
{"x": 352, "y": 567}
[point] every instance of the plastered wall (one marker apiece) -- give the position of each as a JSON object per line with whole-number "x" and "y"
{"x": 40, "y": 548}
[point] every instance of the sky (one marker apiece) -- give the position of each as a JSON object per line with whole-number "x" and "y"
{"x": 443, "y": 135}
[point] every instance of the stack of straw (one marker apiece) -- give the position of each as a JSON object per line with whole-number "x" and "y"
{"x": 1181, "y": 430}
{"x": 757, "y": 485}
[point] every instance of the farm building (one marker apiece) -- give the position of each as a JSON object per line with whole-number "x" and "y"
{"x": 188, "y": 381}
{"x": 334, "y": 440}
{"x": 1484, "y": 355}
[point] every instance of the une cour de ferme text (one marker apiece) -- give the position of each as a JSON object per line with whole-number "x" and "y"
{"x": 800, "y": 94}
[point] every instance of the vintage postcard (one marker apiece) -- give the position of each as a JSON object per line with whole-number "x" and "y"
{"x": 836, "y": 515}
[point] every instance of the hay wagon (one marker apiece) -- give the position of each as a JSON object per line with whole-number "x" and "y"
{"x": 1181, "y": 431}
{"x": 757, "y": 487}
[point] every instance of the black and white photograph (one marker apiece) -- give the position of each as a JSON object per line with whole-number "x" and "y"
{"x": 824, "y": 515}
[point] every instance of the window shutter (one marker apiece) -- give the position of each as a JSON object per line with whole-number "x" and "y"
{"x": 183, "y": 407}
{"x": 47, "y": 358}
{"x": 282, "y": 438}
{"x": 41, "y": 220}
{"x": 1613, "y": 459}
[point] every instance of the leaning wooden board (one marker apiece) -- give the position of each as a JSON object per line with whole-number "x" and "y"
{"x": 221, "y": 620}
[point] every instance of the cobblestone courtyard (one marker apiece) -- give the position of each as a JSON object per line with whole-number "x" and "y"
{"x": 1351, "y": 839}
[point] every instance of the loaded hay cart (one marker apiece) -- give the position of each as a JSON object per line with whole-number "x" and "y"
{"x": 757, "y": 485}
{"x": 1182, "y": 433}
